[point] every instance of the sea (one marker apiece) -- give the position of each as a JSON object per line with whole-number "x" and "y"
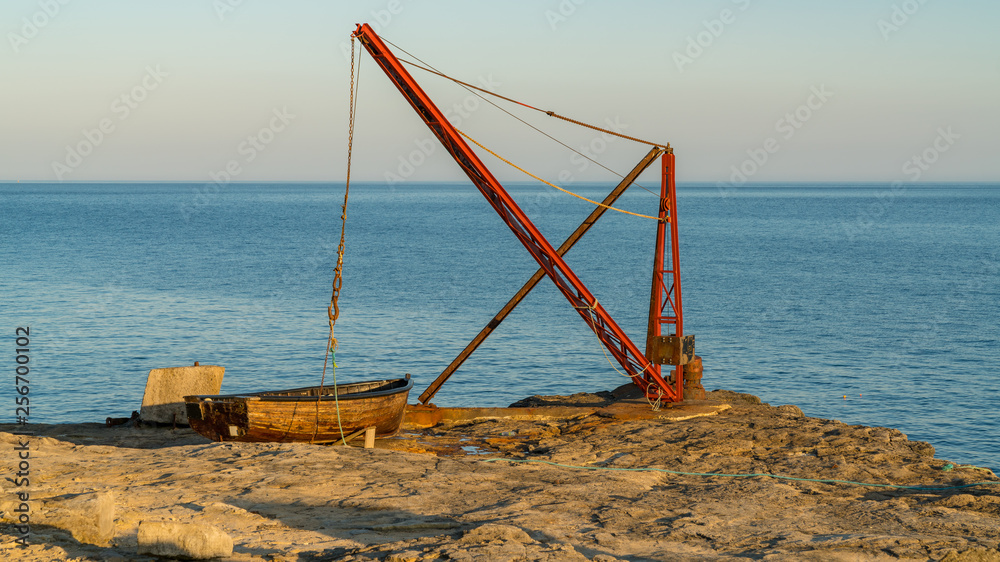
{"x": 872, "y": 304}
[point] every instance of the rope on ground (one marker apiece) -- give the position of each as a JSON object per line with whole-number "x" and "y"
{"x": 750, "y": 475}
{"x": 515, "y": 166}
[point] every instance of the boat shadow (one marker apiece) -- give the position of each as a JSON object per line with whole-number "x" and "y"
{"x": 283, "y": 531}
{"x": 348, "y": 530}
{"x": 143, "y": 437}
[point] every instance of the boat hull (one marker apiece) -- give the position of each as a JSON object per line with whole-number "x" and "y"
{"x": 301, "y": 414}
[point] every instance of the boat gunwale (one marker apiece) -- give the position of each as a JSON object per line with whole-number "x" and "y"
{"x": 267, "y": 396}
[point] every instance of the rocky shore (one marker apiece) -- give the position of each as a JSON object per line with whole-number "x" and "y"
{"x": 740, "y": 480}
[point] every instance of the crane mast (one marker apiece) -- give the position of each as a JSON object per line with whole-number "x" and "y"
{"x": 665, "y": 299}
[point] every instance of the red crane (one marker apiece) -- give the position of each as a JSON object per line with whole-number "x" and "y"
{"x": 665, "y": 301}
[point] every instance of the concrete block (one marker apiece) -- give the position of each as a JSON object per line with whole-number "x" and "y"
{"x": 163, "y": 400}
{"x": 183, "y": 540}
{"x": 89, "y": 517}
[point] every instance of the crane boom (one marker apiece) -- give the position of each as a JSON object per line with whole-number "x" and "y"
{"x": 642, "y": 371}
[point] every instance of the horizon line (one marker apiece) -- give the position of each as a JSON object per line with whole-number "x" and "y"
{"x": 713, "y": 183}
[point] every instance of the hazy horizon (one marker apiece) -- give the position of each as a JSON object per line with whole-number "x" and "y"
{"x": 746, "y": 92}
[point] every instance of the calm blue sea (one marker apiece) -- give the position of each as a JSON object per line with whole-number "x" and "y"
{"x": 800, "y": 294}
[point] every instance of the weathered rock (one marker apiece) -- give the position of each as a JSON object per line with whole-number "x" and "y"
{"x": 493, "y": 532}
{"x": 184, "y": 540}
{"x": 163, "y": 399}
{"x": 405, "y": 556}
{"x": 731, "y": 397}
{"x": 792, "y": 410}
{"x": 494, "y": 552}
{"x": 89, "y": 517}
{"x": 296, "y": 501}
{"x": 977, "y": 554}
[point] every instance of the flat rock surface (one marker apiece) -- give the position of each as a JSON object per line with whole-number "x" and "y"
{"x": 591, "y": 487}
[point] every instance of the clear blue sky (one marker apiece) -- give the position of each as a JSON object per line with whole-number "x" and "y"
{"x": 898, "y": 79}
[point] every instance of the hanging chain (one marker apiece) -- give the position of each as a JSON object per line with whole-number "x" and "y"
{"x": 334, "y": 309}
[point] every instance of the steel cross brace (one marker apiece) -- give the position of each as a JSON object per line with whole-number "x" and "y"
{"x": 641, "y": 370}
{"x": 499, "y": 317}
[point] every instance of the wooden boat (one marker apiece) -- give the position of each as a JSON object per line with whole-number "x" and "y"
{"x": 301, "y": 414}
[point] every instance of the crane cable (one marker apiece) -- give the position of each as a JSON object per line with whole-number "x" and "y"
{"x": 599, "y": 204}
{"x": 470, "y": 88}
{"x": 333, "y": 311}
{"x": 549, "y": 113}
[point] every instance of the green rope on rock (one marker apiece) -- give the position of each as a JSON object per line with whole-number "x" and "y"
{"x": 750, "y": 475}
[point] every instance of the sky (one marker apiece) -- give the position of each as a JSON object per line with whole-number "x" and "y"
{"x": 744, "y": 90}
